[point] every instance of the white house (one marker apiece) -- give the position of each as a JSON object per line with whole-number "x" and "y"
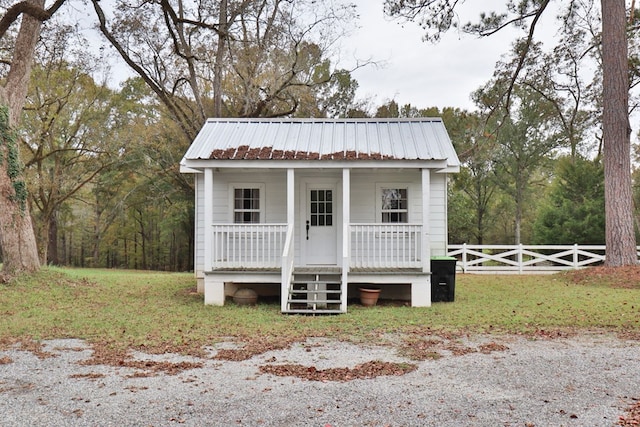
{"x": 311, "y": 209}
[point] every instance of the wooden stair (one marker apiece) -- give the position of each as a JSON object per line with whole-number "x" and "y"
{"x": 315, "y": 292}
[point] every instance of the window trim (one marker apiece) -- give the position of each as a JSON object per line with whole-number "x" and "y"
{"x": 246, "y": 186}
{"x": 392, "y": 186}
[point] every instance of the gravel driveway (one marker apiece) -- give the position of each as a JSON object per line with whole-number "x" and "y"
{"x": 586, "y": 380}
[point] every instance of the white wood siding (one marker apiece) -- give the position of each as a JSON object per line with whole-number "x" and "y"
{"x": 198, "y": 249}
{"x": 275, "y": 194}
{"x": 364, "y": 197}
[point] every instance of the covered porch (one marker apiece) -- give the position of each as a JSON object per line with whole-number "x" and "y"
{"x": 313, "y": 271}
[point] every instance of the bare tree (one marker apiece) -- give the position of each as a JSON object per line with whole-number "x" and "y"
{"x": 226, "y": 57}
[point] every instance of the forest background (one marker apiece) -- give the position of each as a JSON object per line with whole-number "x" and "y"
{"x": 102, "y": 162}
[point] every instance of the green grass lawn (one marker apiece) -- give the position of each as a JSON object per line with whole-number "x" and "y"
{"x": 160, "y": 311}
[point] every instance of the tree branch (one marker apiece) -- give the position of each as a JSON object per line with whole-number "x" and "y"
{"x": 28, "y": 8}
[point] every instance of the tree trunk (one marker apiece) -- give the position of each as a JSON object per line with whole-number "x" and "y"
{"x": 519, "y": 196}
{"x": 52, "y": 251}
{"x": 41, "y": 230}
{"x": 17, "y": 238}
{"x": 16, "y": 231}
{"x": 620, "y": 236}
{"x": 217, "y": 66}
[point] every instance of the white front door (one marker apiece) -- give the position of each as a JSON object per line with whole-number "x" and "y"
{"x": 320, "y": 225}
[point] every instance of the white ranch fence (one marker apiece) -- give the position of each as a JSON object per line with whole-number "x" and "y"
{"x": 525, "y": 258}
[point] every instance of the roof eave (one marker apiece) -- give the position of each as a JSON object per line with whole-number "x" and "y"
{"x": 450, "y": 169}
{"x": 193, "y": 165}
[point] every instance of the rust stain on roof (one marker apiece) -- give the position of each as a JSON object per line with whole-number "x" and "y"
{"x": 243, "y": 152}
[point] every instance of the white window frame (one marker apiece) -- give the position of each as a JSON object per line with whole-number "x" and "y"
{"x": 392, "y": 186}
{"x": 246, "y": 186}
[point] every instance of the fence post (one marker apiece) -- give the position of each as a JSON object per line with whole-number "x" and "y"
{"x": 520, "y": 258}
{"x": 464, "y": 257}
{"x": 575, "y": 255}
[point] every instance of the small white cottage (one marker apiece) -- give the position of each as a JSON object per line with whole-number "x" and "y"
{"x": 312, "y": 209}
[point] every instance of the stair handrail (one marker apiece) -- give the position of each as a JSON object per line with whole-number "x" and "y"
{"x": 286, "y": 271}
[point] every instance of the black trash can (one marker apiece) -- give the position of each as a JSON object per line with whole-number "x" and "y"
{"x": 443, "y": 278}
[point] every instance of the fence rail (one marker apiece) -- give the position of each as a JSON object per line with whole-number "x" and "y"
{"x": 525, "y": 258}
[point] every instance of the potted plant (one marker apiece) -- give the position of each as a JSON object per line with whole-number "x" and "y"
{"x": 369, "y": 296}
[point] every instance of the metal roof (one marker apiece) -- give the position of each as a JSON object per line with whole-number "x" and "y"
{"x": 323, "y": 139}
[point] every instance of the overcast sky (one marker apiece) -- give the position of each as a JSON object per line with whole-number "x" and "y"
{"x": 410, "y": 70}
{"x": 417, "y": 72}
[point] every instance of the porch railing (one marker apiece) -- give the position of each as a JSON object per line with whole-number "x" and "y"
{"x": 286, "y": 272}
{"x": 525, "y": 258}
{"x": 385, "y": 246}
{"x": 248, "y": 245}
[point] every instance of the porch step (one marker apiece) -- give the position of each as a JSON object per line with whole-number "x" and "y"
{"x": 319, "y": 282}
{"x": 315, "y": 292}
{"x": 312, "y": 312}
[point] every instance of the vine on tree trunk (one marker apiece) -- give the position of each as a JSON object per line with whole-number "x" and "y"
{"x": 14, "y": 167}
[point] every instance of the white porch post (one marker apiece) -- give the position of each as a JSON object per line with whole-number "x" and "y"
{"x": 213, "y": 289}
{"x": 291, "y": 217}
{"x": 420, "y": 291}
{"x": 208, "y": 219}
{"x": 426, "y": 229}
{"x": 291, "y": 207}
{"x": 346, "y": 234}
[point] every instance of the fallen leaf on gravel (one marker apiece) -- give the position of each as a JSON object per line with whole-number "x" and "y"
{"x": 363, "y": 371}
{"x": 491, "y": 347}
{"x": 27, "y": 344}
{"x": 252, "y": 347}
{"x": 632, "y": 416}
{"x": 419, "y": 348}
{"x": 104, "y": 355}
{"x": 90, "y": 375}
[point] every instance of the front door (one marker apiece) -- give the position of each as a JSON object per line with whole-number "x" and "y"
{"x": 320, "y": 222}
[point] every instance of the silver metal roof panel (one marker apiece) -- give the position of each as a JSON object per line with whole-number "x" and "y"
{"x": 323, "y": 139}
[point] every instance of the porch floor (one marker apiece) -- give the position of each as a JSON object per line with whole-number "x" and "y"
{"x": 323, "y": 269}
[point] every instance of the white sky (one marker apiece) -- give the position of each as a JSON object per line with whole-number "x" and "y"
{"x": 417, "y": 72}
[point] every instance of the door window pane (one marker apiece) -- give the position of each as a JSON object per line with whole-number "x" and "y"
{"x": 321, "y": 208}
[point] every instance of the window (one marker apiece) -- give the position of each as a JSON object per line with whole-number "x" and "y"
{"x": 246, "y": 205}
{"x": 321, "y": 208}
{"x": 394, "y": 205}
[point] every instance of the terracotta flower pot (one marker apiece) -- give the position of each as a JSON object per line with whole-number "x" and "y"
{"x": 369, "y": 296}
{"x": 245, "y": 296}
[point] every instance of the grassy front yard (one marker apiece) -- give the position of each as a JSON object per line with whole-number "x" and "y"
{"x": 161, "y": 312}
